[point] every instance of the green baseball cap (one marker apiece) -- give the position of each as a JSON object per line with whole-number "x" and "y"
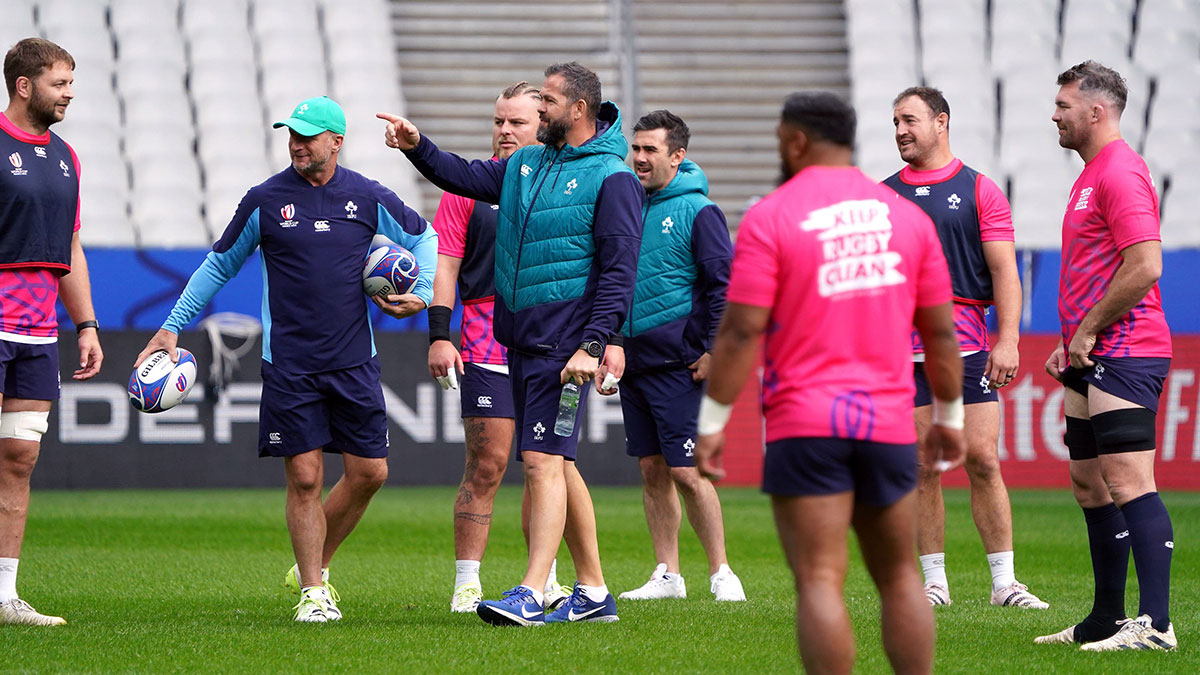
{"x": 314, "y": 115}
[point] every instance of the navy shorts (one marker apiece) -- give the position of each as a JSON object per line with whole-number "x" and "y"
{"x": 535, "y": 390}
{"x": 29, "y": 371}
{"x": 485, "y": 393}
{"x": 660, "y": 410}
{"x": 339, "y": 411}
{"x": 878, "y": 474}
{"x": 975, "y": 382}
{"x": 1137, "y": 379}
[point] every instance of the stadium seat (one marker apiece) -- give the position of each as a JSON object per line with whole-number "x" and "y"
{"x": 228, "y": 15}
{"x": 129, "y": 17}
{"x": 55, "y": 15}
{"x": 219, "y": 47}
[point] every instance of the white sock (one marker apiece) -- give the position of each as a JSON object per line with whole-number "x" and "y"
{"x": 465, "y": 571}
{"x": 537, "y": 595}
{"x": 1003, "y": 574}
{"x": 595, "y": 593}
{"x": 8, "y": 579}
{"x": 933, "y": 566}
{"x": 552, "y": 580}
{"x": 724, "y": 568}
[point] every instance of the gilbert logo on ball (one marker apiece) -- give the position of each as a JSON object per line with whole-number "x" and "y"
{"x": 390, "y": 269}
{"x": 157, "y": 384}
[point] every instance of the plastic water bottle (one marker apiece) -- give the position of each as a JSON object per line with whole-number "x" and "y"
{"x": 568, "y": 406}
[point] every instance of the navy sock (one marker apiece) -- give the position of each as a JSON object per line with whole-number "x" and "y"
{"x": 1108, "y": 538}
{"x": 1153, "y": 541}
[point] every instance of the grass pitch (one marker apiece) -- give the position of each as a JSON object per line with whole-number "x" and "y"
{"x": 155, "y": 581}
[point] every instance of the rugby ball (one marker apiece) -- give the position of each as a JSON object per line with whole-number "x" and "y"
{"x": 390, "y": 269}
{"x": 157, "y": 384}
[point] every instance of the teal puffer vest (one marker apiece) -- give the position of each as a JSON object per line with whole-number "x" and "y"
{"x": 544, "y": 242}
{"x": 666, "y": 264}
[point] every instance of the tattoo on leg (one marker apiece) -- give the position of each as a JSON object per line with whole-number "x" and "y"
{"x": 477, "y": 518}
{"x": 464, "y": 495}
{"x": 476, "y": 440}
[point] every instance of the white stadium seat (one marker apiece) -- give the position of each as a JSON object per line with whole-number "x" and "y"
{"x": 144, "y": 16}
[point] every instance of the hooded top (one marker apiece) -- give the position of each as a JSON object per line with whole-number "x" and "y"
{"x": 683, "y": 270}
{"x": 566, "y": 239}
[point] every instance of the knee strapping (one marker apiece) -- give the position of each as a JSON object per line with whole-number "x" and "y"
{"x": 1125, "y": 430}
{"x": 25, "y": 425}
{"x": 1080, "y": 439}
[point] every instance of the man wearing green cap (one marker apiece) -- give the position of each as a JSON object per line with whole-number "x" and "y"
{"x": 315, "y": 223}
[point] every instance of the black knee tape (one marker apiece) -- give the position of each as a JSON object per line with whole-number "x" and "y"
{"x": 1080, "y": 439}
{"x": 1125, "y": 430}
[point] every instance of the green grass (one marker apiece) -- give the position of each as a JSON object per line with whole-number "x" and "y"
{"x": 191, "y": 581}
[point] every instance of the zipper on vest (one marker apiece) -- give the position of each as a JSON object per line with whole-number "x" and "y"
{"x": 525, "y": 223}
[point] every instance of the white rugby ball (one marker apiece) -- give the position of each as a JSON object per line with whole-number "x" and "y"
{"x": 390, "y": 269}
{"x": 157, "y": 384}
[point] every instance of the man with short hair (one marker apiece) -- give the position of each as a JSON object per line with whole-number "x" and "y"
{"x": 566, "y": 256}
{"x": 683, "y": 270}
{"x": 974, "y": 225}
{"x": 466, "y": 258}
{"x": 41, "y": 260}
{"x": 825, "y": 252}
{"x": 315, "y": 223}
{"x": 1113, "y": 359}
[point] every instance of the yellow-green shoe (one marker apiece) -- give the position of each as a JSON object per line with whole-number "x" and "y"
{"x": 291, "y": 581}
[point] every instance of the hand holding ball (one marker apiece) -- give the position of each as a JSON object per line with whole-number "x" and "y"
{"x": 157, "y": 384}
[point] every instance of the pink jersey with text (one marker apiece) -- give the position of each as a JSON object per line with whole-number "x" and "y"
{"x": 478, "y": 343}
{"x": 842, "y": 263}
{"x": 995, "y": 224}
{"x": 1112, "y": 206}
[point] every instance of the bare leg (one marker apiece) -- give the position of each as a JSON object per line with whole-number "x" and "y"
{"x": 989, "y": 497}
{"x": 704, "y": 513}
{"x": 886, "y": 537}
{"x": 663, "y": 513}
{"x": 580, "y": 529}
{"x": 488, "y": 442}
{"x": 931, "y": 509}
{"x": 544, "y": 477}
{"x": 17, "y": 459}
{"x": 305, "y": 515}
{"x": 813, "y": 533}
{"x": 348, "y": 500}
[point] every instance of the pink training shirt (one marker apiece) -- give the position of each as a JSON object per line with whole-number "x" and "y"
{"x": 995, "y": 224}
{"x": 1113, "y": 205}
{"x": 478, "y": 343}
{"x": 842, "y": 262}
{"x": 28, "y": 294}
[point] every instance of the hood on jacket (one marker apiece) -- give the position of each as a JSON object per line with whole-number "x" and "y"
{"x": 688, "y": 178}
{"x": 608, "y": 138}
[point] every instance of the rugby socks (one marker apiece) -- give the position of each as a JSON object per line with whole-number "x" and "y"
{"x": 1153, "y": 541}
{"x": 1108, "y": 538}
{"x": 537, "y": 595}
{"x": 933, "y": 566}
{"x": 552, "y": 580}
{"x": 594, "y": 593}
{"x": 1001, "y": 565}
{"x": 465, "y": 571}
{"x": 8, "y": 579}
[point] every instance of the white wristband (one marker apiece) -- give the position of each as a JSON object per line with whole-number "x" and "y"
{"x": 713, "y": 416}
{"x": 948, "y": 414}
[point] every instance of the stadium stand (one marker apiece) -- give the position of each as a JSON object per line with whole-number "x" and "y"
{"x": 174, "y": 96}
{"x": 997, "y": 61}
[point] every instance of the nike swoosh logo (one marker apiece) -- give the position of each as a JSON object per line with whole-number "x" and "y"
{"x": 572, "y": 616}
{"x": 527, "y": 614}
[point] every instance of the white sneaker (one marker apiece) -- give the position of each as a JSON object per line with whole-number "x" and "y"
{"x": 1065, "y": 636}
{"x": 937, "y": 594}
{"x": 661, "y": 585}
{"x": 555, "y": 594}
{"x": 466, "y": 597}
{"x": 1017, "y": 594}
{"x": 316, "y": 606}
{"x": 17, "y": 611}
{"x": 1136, "y": 634}
{"x": 726, "y": 586}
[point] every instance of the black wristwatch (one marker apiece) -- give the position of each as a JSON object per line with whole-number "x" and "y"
{"x": 592, "y": 347}
{"x": 87, "y": 324}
